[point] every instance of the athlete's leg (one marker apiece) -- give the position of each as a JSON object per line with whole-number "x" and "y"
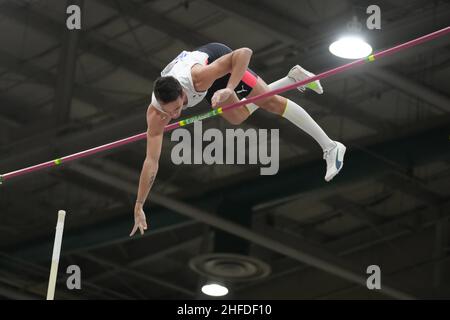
{"x": 293, "y": 112}
{"x": 296, "y": 74}
{"x": 237, "y": 115}
{"x": 333, "y": 151}
{"x": 244, "y": 89}
{"x": 283, "y": 107}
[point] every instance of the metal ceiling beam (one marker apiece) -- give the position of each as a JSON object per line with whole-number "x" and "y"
{"x": 112, "y": 232}
{"x": 356, "y": 113}
{"x": 97, "y": 191}
{"x": 351, "y": 112}
{"x": 288, "y": 133}
{"x": 149, "y": 258}
{"x": 35, "y": 137}
{"x": 332, "y": 102}
{"x": 288, "y": 225}
{"x": 395, "y": 228}
{"x": 41, "y": 287}
{"x": 310, "y": 256}
{"x": 429, "y": 19}
{"x": 90, "y": 42}
{"x": 287, "y": 29}
{"x": 139, "y": 275}
{"x": 344, "y": 109}
{"x": 354, "y": 210}
{"x": 39, "y": 150}
{"x": 164, "y": 200}
{"x": 234, "y": 181}
{"x": 403, "y": 83}
{"x": 414, "y": 187}
{"x": 368, "y": 238}
{"x": 359, "y": 164}
{"x": 441, "y": 293}
{"x": 359, "y": 212}
{"x": 128, "y": 165}
{"x": 16, "y": 65}
{"x": 80, "y": 140}
{"x": 66, "y": 71}
{"x": 340, "y": 107}
{"x": 392, "y": 223}
{"x": 156, "y": 21}
{"x": 47, "y": 78}
{"x": 440, "y": 101}
{"x": 130, "y": 177}
{"x": 10, "y": 108}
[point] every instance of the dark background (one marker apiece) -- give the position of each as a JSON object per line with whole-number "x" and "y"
{"x": 62, "y": 92}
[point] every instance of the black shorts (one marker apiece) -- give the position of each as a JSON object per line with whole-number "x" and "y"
{"x": 215, "y": 51}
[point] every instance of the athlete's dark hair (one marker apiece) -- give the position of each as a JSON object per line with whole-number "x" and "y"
{"x": 167, "y": 89}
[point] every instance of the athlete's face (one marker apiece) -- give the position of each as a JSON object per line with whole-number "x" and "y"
{"x": 173, "y": 108}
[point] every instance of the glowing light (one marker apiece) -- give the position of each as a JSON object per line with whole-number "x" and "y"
{"x": 350, "y": 47}
{"x": 215, "y": 290}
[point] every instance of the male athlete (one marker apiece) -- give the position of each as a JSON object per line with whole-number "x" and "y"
{"x": 222, "y": 76}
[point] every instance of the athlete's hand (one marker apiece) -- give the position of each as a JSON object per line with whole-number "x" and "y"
{"x": 221, "y": 96}
{"x": 139, "y": 221}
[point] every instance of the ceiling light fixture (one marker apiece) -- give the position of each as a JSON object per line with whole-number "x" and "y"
{"x": 214, "y": 290}
{"x": 352, "y": 45}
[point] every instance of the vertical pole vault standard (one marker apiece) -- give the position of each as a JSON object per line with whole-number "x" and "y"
{"x": 56, "y": 254}
{"x": 212, "y": 113}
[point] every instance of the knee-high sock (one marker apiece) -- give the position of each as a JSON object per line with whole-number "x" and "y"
{"x": 298, "y": 116}
{"x": 251, "y": 107}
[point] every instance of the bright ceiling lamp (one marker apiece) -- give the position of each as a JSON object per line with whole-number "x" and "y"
{"x": 214, "y": 290}
{"x": 351, "y": 46}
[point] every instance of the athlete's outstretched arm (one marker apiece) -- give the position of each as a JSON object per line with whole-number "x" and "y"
{"x": 155, "y": 134}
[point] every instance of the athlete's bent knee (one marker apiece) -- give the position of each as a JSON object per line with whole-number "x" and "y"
{"x": 275, "y": 104}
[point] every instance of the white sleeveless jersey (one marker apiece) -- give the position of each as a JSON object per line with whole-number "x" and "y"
{"x": 180, "y": 69}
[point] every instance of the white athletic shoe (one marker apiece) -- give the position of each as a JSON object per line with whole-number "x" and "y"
{"x": 297, "y": 73}
{"x": 335, "y": 160}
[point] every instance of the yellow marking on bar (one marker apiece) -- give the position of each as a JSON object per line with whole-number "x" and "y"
{"x": 371, "y": 58}
{"x": 57, "y": 161}
{"x": 182, "y": 123}
{"x": 219, "y": 110}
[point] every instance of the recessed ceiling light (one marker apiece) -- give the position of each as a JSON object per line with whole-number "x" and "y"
{"x": 215, "y": 290}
